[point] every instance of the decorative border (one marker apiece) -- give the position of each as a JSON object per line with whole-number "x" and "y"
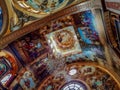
{"x": 5, "y": 17}
{"x": 113, "y": 5}
{"x": 93, "y": 4}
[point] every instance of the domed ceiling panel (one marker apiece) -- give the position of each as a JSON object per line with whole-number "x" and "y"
{"x": 24, "y": 12}
{"x": 40, "y": 8}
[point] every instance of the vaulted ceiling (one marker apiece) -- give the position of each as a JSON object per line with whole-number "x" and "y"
{"x": 15, "y": 14}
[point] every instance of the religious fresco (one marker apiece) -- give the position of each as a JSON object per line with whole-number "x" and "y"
{"x": 84, "y": 76}
{"x": 24, "y": 81}
{"x": 40, "y": 8}
{"x": 61, "y": 23}
{"x": 84, "y": 24}
{"x": 27, "y": 81}
{"x": 1, "y": 19}
{"x": 64, "y": 41}
{"x": 8, "y": 68}
{"x": 25, "y": 12}
{"x": 79, "y": 28}
{"x": 86, "y": 27}
{"x": 30, "y": 47}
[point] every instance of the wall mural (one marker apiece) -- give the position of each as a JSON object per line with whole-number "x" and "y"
{"x": 85, "y": 27}
{"x": 27, "y": 81}
{"x": 24, "y": 81}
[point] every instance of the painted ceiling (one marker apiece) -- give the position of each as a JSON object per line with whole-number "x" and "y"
{"x": 24, "y": 12}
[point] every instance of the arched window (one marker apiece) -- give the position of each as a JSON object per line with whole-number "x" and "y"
{"x": 74, "y": 85}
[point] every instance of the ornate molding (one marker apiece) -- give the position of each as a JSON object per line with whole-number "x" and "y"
{"x": 36, "y": 25}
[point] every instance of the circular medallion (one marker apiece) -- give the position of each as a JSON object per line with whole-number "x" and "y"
{"x": 64, "y": 39}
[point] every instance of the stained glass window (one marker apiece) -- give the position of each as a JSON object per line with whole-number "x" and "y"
{"x": 74, "y": 85}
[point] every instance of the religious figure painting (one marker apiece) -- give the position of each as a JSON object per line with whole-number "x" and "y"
{"x": 64, "y": 41}
{"x": 30, "y": 47}
{"x": 87, "y": 27}
{"x": 27, "y": 81}
{"x": 88, "y": 37}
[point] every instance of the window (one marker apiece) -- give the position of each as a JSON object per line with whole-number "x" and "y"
{"x": 74, "y": 85}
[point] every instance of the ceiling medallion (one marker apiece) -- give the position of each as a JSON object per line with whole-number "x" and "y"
{"x": 64, "y": 39}
{"x": 39, "y": 8}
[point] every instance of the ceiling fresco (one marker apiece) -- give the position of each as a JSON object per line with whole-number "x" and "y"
{"x": 39, "y": 8}
{"x": 24, "y": 12}
{"x": 77, "y": 76}
{"x": 66, "y": 50}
